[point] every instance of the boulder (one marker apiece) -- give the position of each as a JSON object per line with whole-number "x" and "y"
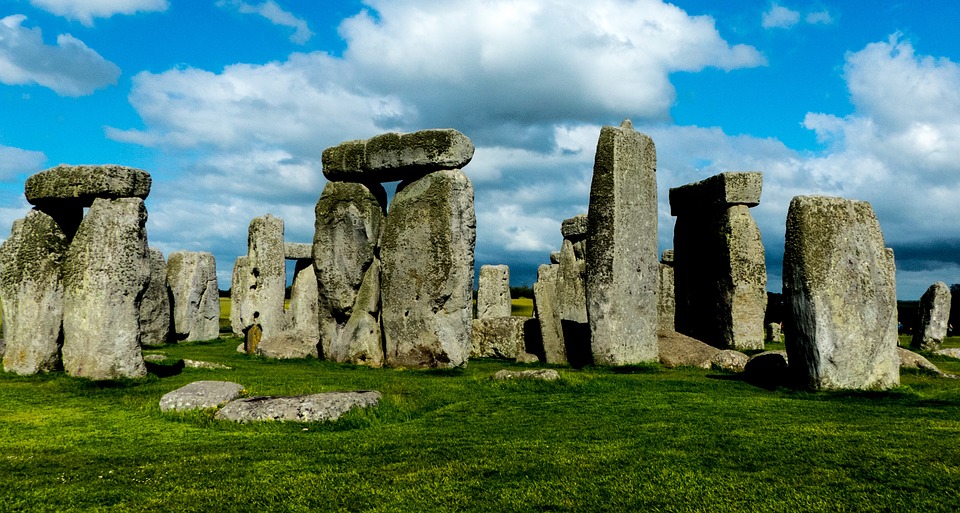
{"x": 493, "y": 292}
{"x": 31, "y": 289}
{"x": 934, "y": 317}
{"x": 729, "y": 360}
{"x": 105, "y": 272}
{"x": 324, "y": 407}
{"x": 288, "y": 344}
{"x": 548, "y": 314}
{"x": 192, "y": 277}
{"x": 621, "y": 259}
{"x": 200, "y": 395}
{"x": 537, "y": 374}
{"x": 427, "y": 283}
{"x": 911, "y": 360}
{"x": 392, "y": 156}
{"x": 768, "y": 369}
{"x": 840, "y": 294}
{"x": 679, "y": 350}
{"x": 499, "y": 337}
{"x": 528, "y": 358}
{"x": 155, "y": 308}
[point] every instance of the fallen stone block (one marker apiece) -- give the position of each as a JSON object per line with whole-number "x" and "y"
{"x": 540, "y": 374}
{"x": 306, "y": 408}
{"x": 679, "y": 350}
{"x": 200, "y": 395}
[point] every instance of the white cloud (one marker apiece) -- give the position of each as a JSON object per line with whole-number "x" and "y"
{"x": 14, "y": 162}
{"x": 86, "y": 10}
{"x": 276, "y": 15}
{"x": 819, "y": 18}
{"x": 780, "y": 17}
{"x": 70, "y": 68}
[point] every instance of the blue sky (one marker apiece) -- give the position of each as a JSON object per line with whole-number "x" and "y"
{"x": 229, "y": 104}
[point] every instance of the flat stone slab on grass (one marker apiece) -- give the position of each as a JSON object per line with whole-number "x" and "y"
{"x": 200, "y": 395}
{"x": 951, "y": 352}
{"x": 305, "y": 408}
{"x": 541, "y": 374}
{"x": 85, "y": 183}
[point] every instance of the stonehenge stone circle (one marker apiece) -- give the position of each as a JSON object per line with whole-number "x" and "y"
{"x": 192, "y": 278}
{"x": 720, "y": 273}
{"x": 493, "y": 292}
{"x": 839, "y": 289}
{"x": 155, "y": 308}
{"x": 391, "y": 157}
{"x": 427, "y": 282}
{"x": 666, "y": 298}
{"x": 105, "y": 272}
{"x": 548, "y": 315}
{"x": 621, "y": 272}
{"x": 32, "y": 294}
{"x": 934, "y": 314}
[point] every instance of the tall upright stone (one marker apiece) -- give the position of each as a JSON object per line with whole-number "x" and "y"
{"x": 934, "y": 316}
{"x": 720, "y": 272}
{"x": 192, "y": 277}
{"x": 155, "y": 308}
{"x": 666, "y": 297}
{"x": 105, "y": 272}
{"x": 349, "y": 219}
{"x": 361, "y": 340}
{"x": 621, "y": 273}
{"x": 32, "y": 294}
{"x": 303, "y": 316}
{"x": 427, "y": 282}
{"x": 259, "y": 281}
{"x": 571, "y": 287}
{"x": 548, "y": 315}
{"x": 493, "y": 292}
{"x": 242, "y": 284}
{"x": 840, "y": 291}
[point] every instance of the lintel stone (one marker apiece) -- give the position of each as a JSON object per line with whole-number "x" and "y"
{"x": 575, "y": 228}
{"x": 392, "y": 156}
{"x": 297, "y": 251}
{"x": 83, "y": 184}
{"x": 719, "y": 191}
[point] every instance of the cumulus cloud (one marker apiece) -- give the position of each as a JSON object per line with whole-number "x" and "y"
{"x": 70, "y": 68}
{"x": 276, "y": 15}
{"x": 85, "y": 11}
{"x": 14, "y": 162}
{"x": 779, "y": 16}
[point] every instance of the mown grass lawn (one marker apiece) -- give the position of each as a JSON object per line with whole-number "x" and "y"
{"x": 638, "y": 439}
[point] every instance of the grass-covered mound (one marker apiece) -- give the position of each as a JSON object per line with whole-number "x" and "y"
{"x": 638, "y": 439}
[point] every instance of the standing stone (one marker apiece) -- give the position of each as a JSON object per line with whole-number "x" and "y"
{"x": 361, "y": 340}
{"x": 720, "y": 273}
{"x": 621, "y": 273}
{"x": 772, "y": 332}
{"x": 493, "y": 293}
{"x": 934, "y": 314}
{"x": 303, "y": 316}
{"x": 666, "y": 299}
{"x": 840, "y": 290}
{"x": 105, "y": 272}
{"x": 192, "y": 277}
{"x": 548, "y": 315}
{"x": 155, "y": 308}
{"x": 427, "y": 252}
{"x": 259, "y": 281}
{"x": 349, "y": 218}
{"x": 32, "y": 294}
{"x": 242, "y": 282}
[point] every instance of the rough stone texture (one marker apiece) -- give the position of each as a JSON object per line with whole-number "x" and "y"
{"x": 667, "y": 257}
{"x": 575, "y": 228}
{"x": 493, "y": 292}
{"x": 729, "y": 360}
{"x": 303, "y": 315}
{"x": 768, "y": 369}
{"x": 349, "y": 220}
{"x": 200, "y": 395}
{"x": 548, "y": 315}
{"x": 717, "y": 193}
{"x": 259, "y": 281}
{"x": 499, "y": 337}
{"x": 621, "y": 263}
{"x": 541, "y": 374}
{"x": 571, "y": 290}
{"x": 192, "y": 277}
{"x": 911, "y": 360}
{"x": 32, "y": 294}
{"x": 677, "y": 349}
{"x": 840, "y": 293}
{"x": 554, "y": 257}
{"x": 934, "y": 314}
{"x": 720, "y": 273}
{"x": 772, "y": 333}
{"x": 361, "y": 340}
{"x": 297, "y": 251}
{"x": 528, "y": 358}
{"x": 105, "y": 272}
{"x": 288, "y": 344}
{"x": 80, "y": 185}
{"x": 666, "y": 298}
{"x": 427, "y": 284}
{"x": 391, "y": 157}
{"x": 306, "y": 408}
{"x": 155, "y": 308}
{"x": 199, "y": 364}
{"x": 951, "y": 352}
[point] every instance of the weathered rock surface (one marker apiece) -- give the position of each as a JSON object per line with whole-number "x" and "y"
{"x": 768, "y": 369}
{"x": 729, "y": 360}
{"x": 493, "y": 292}
{"x": 349, "y": 219}
{"x": 666, "y": 297}
{"x": 575, "y": 228}
{"x": 242, "y": 282}
{"x": 288, "y": 344}
{"x": 717, "y": 192}
{"x": 540, "y": 374}
{"x": 621, "y": 263}
{"x": 952, "y": 352}
{"x": 528, "y": 358}
{"x": 192, "y": 278}
{"x": 934, "y": 314}
{"x": 679, "y": 350}
{"x": 105, "y": 272}
{"x": 259, "y": 282}
{"x": 32, "y": 294}
{"x": 571, "y": 288}
{"x": 499, "y": 337}
{"x": 200, "y": 395}
{"x": 911, "y": 360}
{"x": 361, "y": 340}
{"x": 83, "y": 184}
{"x": 427, "y": 256}
{"x": 297, "y": 251}
{"x": 772, "y": 332}
{"x": 392, "y": 156}
{"x": 839, "y": 289}
{"x": 303, "y": 315}
{"x": 324, "y": 407}
{"x": 200, "y": 364}
{"x": 155, "y": 308}
{"x": 554, "y": 257}
{"x": 548, "y": 315}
